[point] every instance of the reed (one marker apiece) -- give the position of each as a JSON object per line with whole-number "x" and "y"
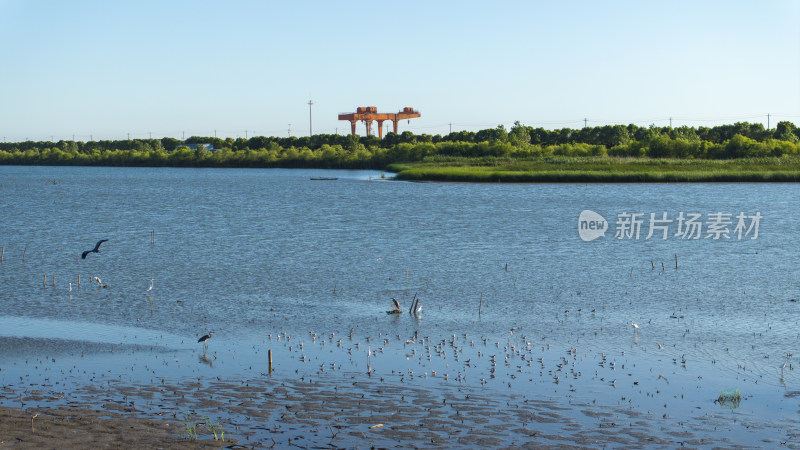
{"x": 601, "y": 170}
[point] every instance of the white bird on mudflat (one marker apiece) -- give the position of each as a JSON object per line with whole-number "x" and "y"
{"x": 151, "y": 285}
{"x": 635, "y": 326}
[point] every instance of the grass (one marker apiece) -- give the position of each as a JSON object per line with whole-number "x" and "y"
{"x": 599, "y": 169}
{"x": 729, "y": 399}
{"x": 191, "y": 423}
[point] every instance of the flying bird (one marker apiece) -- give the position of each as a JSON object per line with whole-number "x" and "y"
{"x": 96, "y": 249}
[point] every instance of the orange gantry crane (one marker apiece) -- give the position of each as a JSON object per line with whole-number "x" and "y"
{"x": 369, "y": 113}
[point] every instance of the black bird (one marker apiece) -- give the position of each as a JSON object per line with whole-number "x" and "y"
{"x": 396, "y": 309}
{"x": 206, "y": 337}
{"x": 96, "y": 249}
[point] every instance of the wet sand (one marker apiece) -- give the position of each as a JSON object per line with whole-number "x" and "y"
{"x": 338, "y": 412}
{"x": 75, "y": 428}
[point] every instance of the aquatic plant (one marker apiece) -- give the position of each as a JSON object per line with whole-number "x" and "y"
{"x": 190, "y": 427}
{"x": 192, "y": 423}
{"x": 729, "y": 398}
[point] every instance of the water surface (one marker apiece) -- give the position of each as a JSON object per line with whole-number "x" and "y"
{"x": 260, "y": 256}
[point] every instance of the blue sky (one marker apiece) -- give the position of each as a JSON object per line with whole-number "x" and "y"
{"x": 172, "y": 68}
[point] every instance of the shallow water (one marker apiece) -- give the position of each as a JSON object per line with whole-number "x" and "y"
{"x": 269, "y": 259}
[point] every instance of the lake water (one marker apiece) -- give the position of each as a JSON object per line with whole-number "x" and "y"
{"x": 271, "y": 260}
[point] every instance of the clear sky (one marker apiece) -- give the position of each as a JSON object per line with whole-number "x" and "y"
{"x": 108, "y": 68}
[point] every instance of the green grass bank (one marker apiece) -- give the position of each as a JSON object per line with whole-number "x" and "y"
{"x": 600, "y": 170}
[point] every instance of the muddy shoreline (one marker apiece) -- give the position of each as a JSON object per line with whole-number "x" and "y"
{"x": 263, "y": 413}
{"x": 75, "y": 428}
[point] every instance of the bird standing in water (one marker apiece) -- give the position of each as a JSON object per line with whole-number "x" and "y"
{"x": 204, "y": 339}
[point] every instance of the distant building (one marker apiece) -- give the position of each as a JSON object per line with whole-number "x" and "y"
{"x": 209, "y": 147}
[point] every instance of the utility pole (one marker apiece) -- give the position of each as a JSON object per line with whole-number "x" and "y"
{"x": 585, "y": 121}
{"x": 451, "y": 127}
{"x": 290, "y": 130}
{"x": 150, "y": 133}
{"x": 129, "y": 136}
{"x": 183, "y": 135}
{"x": 245, "y": 134}
{"x": 215, "y": 134}
{"x": 670, "y": 122}
{"x": 310, "y": 102}
{"x": 767, "y": 121}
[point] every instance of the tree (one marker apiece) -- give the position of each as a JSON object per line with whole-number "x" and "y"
{"x": 492, "y": 134}
{"x": 353, "y": 143}
{"x": 786, "y": 131}
{"x": 520, "y": 135}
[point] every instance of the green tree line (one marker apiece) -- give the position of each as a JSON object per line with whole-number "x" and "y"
{"x": 740, "y": 140}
